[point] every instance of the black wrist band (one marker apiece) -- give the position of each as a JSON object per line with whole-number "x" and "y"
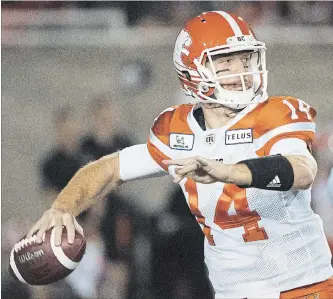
{"x": 270, "y": 173}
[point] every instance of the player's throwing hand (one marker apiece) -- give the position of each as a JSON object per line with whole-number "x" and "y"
{"x": 56, "y": 218}
{"x": 199, "y": 169}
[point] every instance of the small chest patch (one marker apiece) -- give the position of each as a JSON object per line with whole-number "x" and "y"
{"x": 238, "y": 136}
{"x": 210, "y": 139}
{"x": 181, "y": 141}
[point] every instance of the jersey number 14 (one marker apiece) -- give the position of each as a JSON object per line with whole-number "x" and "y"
{"x": 244, "y": 217}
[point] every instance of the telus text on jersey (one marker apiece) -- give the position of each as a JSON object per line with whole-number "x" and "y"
{"x": 237, "y": 136}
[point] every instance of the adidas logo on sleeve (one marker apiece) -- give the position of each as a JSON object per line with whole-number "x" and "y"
{"x": 275, "y": 183}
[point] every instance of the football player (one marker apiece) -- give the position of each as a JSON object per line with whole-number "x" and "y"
{"x": 243, "y": 160}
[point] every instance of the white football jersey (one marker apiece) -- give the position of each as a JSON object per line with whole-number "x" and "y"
{"x": 256, "y": 240}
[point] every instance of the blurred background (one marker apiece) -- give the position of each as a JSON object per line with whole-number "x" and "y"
{"x": 82, "y": 79}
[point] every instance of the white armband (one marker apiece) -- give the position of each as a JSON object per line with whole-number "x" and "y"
{"x": 136, "y": 163}
{"x": 290, "y": 146}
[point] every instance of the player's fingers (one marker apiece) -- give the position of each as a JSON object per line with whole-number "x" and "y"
{"x": 47, "y": 223}
{"x": 69, "y": 224}
{"x": 188, "y": 168}
{"x": 179, "y": 162}
{"x": 58, "y": 231}
{"x": 203, "y": 161}
{"x": 206, "y": 164}
{"x": 203, "y": 179}
{"x": 43, "y": 228}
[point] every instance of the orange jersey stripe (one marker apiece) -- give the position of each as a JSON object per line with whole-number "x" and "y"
{"x": 157, "y": 155}
{"x": 179, "y": 122}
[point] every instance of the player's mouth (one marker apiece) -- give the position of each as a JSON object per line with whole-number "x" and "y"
{"x": 236, "y": 86}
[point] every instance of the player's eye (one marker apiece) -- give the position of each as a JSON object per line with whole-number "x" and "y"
{"x": 223, "y": 60}
{"x": 222, "y": 70}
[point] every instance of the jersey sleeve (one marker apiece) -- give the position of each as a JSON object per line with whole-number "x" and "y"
{"x": 136, "y": 163}
{"x": 159, "y": 138}
{"x": 171, "y": 121}
{"x": 282, "y": 118}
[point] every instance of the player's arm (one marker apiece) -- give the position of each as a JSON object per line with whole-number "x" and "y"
{"x": 292, "y": 172}
{"x": 281, "y": 173}
{"x": 289, "y": 166}
{"x": 91, "y": 183}
{"x": 296, "y": 150}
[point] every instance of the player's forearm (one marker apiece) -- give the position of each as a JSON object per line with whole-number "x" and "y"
{"x": 304, "y": 171}
{"x": 90, "y": 183}
{"x": 238, "y": 174}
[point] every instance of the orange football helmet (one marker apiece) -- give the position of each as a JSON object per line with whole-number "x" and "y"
{"x": 216, "y": 33}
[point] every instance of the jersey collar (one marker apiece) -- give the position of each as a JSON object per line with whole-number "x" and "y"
{"x": 196, "y": 119}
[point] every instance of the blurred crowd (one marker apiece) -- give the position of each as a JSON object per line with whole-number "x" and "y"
{"x": 322, "y": 191}
{"x": 173, "y": 13}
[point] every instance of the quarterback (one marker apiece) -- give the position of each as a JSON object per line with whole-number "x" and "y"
{"x": 243, "y": 160}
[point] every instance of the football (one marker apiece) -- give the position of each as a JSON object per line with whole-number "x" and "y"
{"x": 45, "y": 263}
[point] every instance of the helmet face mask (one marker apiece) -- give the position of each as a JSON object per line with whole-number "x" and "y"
{"x": 234, "y": 88}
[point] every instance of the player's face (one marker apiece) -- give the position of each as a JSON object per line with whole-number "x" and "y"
{"x": 230, "y": 64}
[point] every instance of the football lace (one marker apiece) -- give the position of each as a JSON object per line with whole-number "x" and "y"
{"x": 24, "y": 242}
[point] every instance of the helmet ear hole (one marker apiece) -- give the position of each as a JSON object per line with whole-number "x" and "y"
{"x": 204, "y": 88}
{"x": 187, "y": 75}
